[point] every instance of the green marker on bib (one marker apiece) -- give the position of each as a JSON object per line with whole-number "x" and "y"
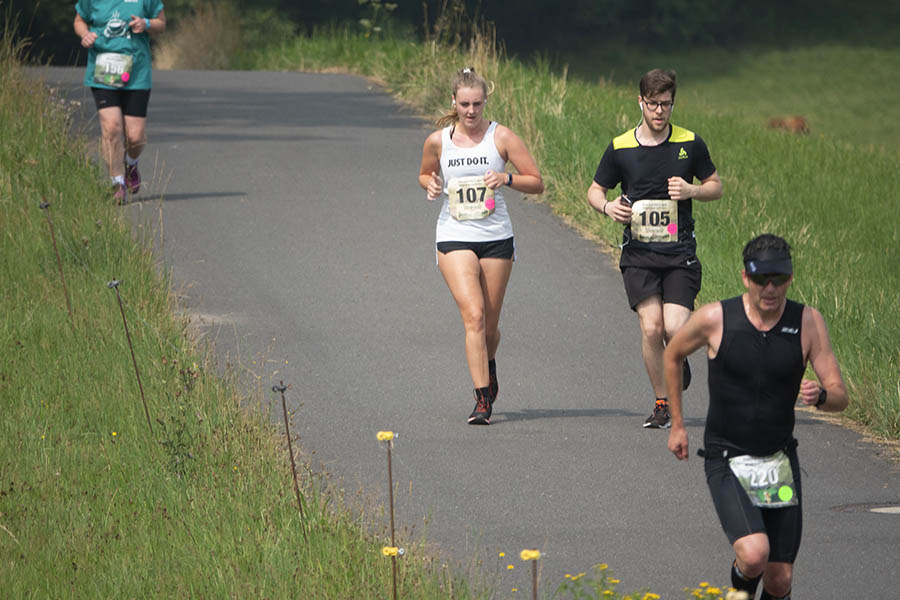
{"x": 785, "y": 493}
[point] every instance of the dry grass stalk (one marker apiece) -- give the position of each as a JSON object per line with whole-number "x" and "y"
{"x": 207, "y": 39}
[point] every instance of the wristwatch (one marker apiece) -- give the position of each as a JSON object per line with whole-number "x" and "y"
{"x": 823, "y": 396}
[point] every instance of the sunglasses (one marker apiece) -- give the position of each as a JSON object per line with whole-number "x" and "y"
{"x": 777, "y": 279}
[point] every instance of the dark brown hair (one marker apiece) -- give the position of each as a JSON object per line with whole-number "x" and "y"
{"x": 657, "y": 82}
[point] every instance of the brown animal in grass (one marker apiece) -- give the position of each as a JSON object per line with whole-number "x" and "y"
{"x": 792, "y": 124}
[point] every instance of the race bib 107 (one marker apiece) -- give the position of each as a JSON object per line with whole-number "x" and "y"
{"x": 470, "y": 198}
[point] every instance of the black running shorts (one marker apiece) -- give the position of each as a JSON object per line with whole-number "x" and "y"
{"x": 675, "y": 281}
{"x": 740, "y": 518}
{"x": 497, "y": 249}
{"x": 132, "y": 102}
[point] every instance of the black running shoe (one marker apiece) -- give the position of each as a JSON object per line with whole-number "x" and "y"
{"x": 481, "y": 415}
{"x": 686, "y": 374}
{"x": 660, "y": 417}
{"x": 493, "y": 386}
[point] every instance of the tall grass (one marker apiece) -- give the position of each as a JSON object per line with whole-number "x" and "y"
{"x": 208, "y": 38}
{"x": 830, "y": 198}
{"x": 91, "y": 503}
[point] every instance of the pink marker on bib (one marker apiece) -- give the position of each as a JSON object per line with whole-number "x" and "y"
{"x": 489, "y": 204}
{"x": 126, "y": 76}
{"x": 672, "y": 228}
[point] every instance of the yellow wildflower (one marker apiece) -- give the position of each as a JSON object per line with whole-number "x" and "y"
{"x": 603, "y": 567}
{"x": 651, "y": 596}
{"x": 530, "y": 554}
{"x": 114, "y": 434}
{"x": 502, "y": 554}
{"x": 389, "y": 551}
{"x": 612, "y": 580}
{"x": 385, "y": 436}
{"x": 510, "y": 567}
{"x": 713, "y": 591}
{"x": 703, "y": 584}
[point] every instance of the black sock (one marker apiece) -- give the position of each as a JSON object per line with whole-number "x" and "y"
{"x": 741, "y": 582}
{"x": 767, "y": 596}
{"x": 492, "y": 366}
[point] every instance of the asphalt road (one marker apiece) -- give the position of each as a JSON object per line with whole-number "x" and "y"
{"x": 303, "y": 245}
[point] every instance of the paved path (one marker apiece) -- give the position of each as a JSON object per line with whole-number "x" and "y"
{"x": 294, "y": 223}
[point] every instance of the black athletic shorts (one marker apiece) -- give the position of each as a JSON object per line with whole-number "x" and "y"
{"x": 739, "y": 517}
{"x": 674, "y": 278}
{"x": 132, "y": 102}
{"x": 497, "y": 249}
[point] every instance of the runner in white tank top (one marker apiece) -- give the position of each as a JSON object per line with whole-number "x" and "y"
{"x": 468, "y": 162}
{"x": 474, "y": 234}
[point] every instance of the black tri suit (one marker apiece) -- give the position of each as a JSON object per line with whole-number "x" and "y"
{"x": 754, "y": 381}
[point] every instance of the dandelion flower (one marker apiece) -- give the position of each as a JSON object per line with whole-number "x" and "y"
{"x": 390, "y": 551}
{"x": 713, "y": 591}
{"x": 611, "y": 580}
{"x": 602, "y": 567}
{"x": 704, "y": 584}
{"x": 385, "y": 436}
{"x": 510, "y": 567}
{"x": 651, "y": 596}
{"x": 114, "y": 434}
{"x": 514, "y": 590}
{"x": 530, "y": 554}
{"x": 502, "y": 554}
{"x": 568, "y": 576}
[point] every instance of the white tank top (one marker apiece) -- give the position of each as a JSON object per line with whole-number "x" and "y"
{"x": 466, "y": 162}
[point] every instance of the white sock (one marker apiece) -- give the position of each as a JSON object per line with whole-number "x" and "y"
{"x": 130, "y": 161}
{"x": 118, "y": 180}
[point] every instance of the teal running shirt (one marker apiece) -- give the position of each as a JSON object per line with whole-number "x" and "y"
{"x": 127, "y": 64}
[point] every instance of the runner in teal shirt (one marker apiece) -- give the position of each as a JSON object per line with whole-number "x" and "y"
{"x": 119, "y": 74}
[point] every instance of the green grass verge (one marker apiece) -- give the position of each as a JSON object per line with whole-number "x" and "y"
{"x": 830, "y": 196}
{"x": 92, "y": 505}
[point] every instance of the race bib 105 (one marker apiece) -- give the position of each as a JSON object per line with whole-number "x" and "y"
{"x": 654, "y": 221}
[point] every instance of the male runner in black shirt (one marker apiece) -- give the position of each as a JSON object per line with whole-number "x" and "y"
{"x": 656, "y": 163}
{"x": 758, "y": 346}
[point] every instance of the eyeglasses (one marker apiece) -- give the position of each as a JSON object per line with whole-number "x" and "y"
{"x": 652, "y": 106}
{"x": 777, "y": 279}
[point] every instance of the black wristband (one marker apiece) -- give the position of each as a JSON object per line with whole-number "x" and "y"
{"x": 509, "y": 179}
{"x": 823, "y": 396}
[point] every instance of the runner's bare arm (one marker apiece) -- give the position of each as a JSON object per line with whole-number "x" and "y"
{"x": 704, "y": 328}
{"x": 83, "y": 31}
{"x": 824, "y": 363}
{"x": 430, "y": 168}
{"x": 613, "y": 209}
{"x": 528, "y": 179}
{"x": 157, "y": 23}
{"x": 709, "y": 188}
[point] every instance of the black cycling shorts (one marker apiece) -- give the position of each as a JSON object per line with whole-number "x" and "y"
{"x": 496, "y": 249}
{"x": 132, "y": 102}
{"x": 677, "y": 283}
{"x": 740, "y": 518}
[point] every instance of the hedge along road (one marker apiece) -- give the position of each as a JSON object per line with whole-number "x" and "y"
{"x": 295, "y": 228}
